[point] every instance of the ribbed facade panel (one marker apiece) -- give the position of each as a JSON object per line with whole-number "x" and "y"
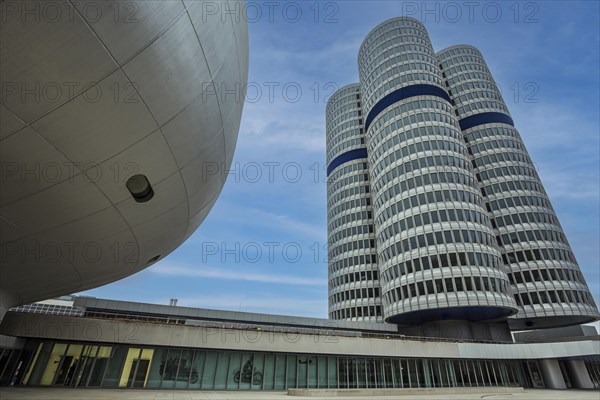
{"x": 424, "y": 156}
{"x": 546, "y": 279}
{"x": 437, "y": 254}
{"x": 354, "y": 290}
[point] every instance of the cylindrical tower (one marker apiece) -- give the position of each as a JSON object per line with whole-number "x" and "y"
{"x": 354, "y": 291}
{"x": 437, "y": 255}
{"x": 547, "y": 282}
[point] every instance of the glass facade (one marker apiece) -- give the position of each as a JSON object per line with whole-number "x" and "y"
{"x": 48, "y": 363}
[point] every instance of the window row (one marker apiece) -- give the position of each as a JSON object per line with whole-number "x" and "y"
{"x": 503, "y": 187}
{"x": 428, "y": 147}
{"x": 441, "y": 237}
{"x": 470, "y": 76}
{"x": 475, "y": 86}
{"x": 416, "y": 181}
{"x": 446, "y": 285}
{"x": 463, "y": 99}
{"x": 342, "y": 108}
{"x": 393, "y": 72}
{"x": 385, "y": 129}
{"x": 432, "y": 104}
{"x": 345, "y": 129}
{"x": 400, "y": 124}
{"x": 431, "y": 239}
{"x": 524, "y": 236}
{"x": 518, "y": 201}
{"x": 410, "y": 60}
{"x": 387, "y": 42}
{"x": 351, "y": 191}
{"x": 502, "y": 156}
{"x": 487, "y": 172}
{"x": 392, "y": 50}
{"x": 390, "y": 32}
{"x": 431, "y": 198}
{"x": 466, "y": 67}
{"x": 363, "y": 202}
{"x": 554, "y": 297}
{"x": 437, "y": 161}
{"x": 448, "y": 61}
{"x": 495, "y": 144}
{"x": 391, "y": 29}
{"x": 349, "y": 179}
{"x": 353, "y": 294}
{"x": 397, "y": 55}
{"x": 496, "y": 131}
{"x": 351, "y": 231}
{"x": 349, "y": 218}
{"x": 358, "y": 312}
{"x": 343, "y": 95}
{"x": 335, "y": 151}
{"x": 110, "y": 366}
{"x": 354, "y": 245}
{"x": 349, "y": 111}
{"x": 337, "y": 136}
{"x": 543, "y": 274}
{"x": 442, "y": 260}
{"x": 348, "y": 262}
{"x": 541, "y": 254}
{"x": 481, "y": 105}
{"x": 350, "y": 167}
{"x": 360, "y": 276}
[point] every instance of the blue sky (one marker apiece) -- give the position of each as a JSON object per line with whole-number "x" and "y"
{"x": 262, "y": 248}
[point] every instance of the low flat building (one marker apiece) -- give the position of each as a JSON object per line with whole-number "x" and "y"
{"x": 115, "y": 344}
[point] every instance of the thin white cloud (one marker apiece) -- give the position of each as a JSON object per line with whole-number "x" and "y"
{"x": 227, "y": 273}
{"x": 564, "y": 146}
{"x": 291, "y": 224}
{"x": 255, "y": 218}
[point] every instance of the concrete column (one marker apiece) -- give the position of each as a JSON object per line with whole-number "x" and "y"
{"x": 580, "y": 378}
{"x": 552, "y": 375}
{"x": 7, "y": 301}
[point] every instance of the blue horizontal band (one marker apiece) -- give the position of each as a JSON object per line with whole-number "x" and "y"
{"x": 485, "y": 118}
{"x": 345, "y": 157}
{"x": 401, "y": 94}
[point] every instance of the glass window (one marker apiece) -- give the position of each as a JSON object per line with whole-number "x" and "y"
{"x": 332, "y": 372}
{"x": 280, "y": 371}
{"x": 257, "y": 372}
{"x": 129, "y": 375}
{"x": 113, "y": 372}
{"x": 157, "y": 369}
{"x": 235, "y": 359}
{"x": 44, "y": 352}
{"x": 322, "y": 372}
{"x": 210, "y": 365}
{"x": 291, "y": 371}
{"x": 197, "y": 366}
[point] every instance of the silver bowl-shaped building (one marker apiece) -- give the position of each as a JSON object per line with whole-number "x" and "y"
{"x": 115, "y": 135}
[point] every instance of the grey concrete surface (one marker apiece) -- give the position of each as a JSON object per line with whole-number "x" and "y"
{"x": 108, "y": 394}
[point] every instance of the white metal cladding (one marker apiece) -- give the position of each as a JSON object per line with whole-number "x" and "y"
{"x": 146, "y": 99}
{"x": 436, "y": 250}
